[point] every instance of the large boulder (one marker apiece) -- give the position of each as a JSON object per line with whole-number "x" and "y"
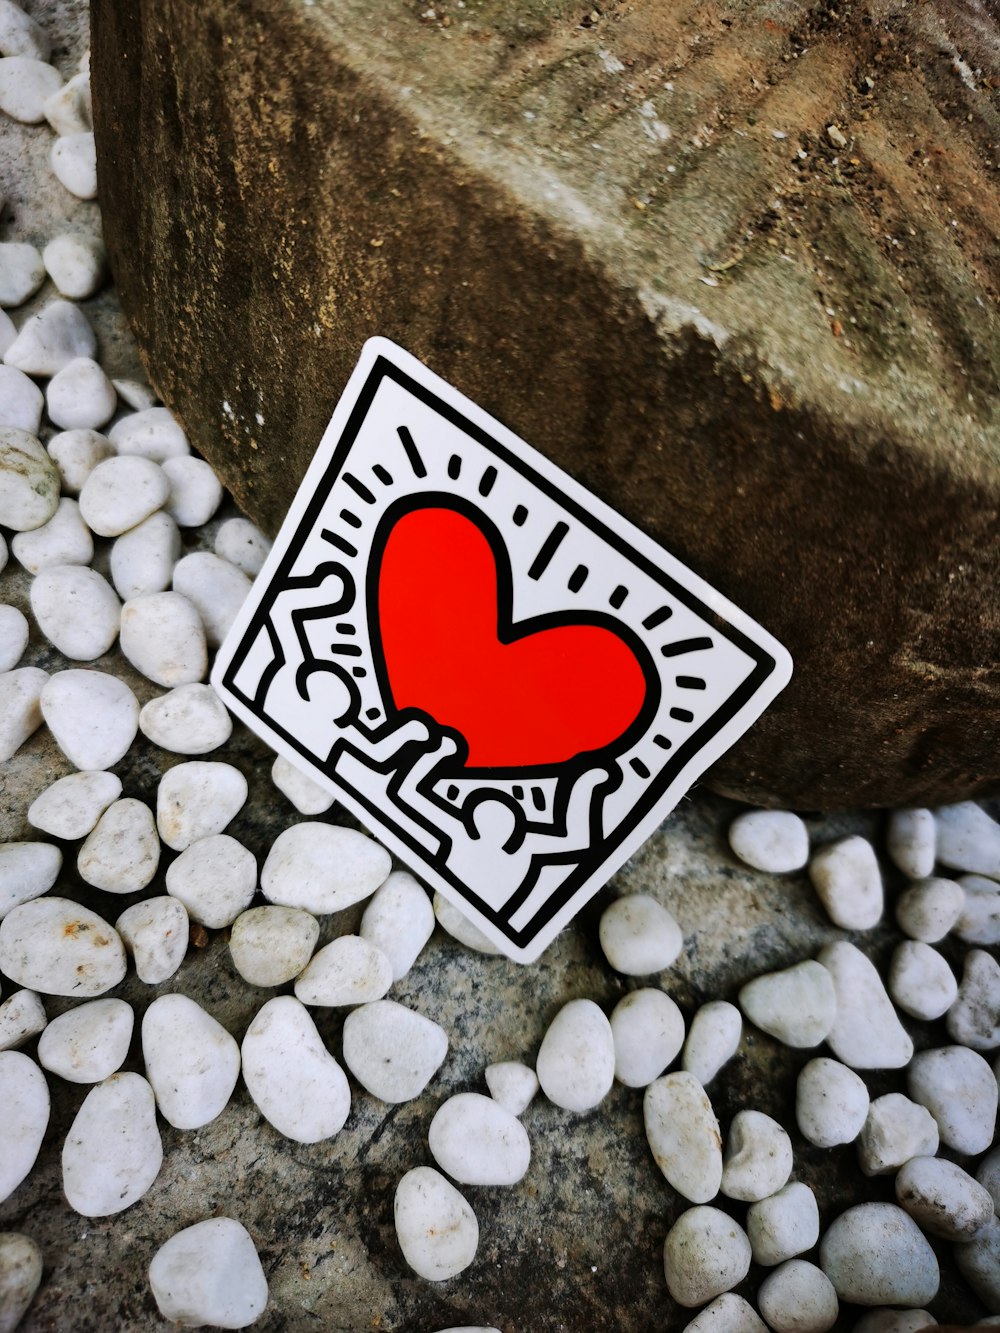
{"x": 733, "y": 266}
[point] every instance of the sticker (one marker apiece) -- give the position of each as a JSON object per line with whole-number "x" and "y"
{"x": 502, "y": 678}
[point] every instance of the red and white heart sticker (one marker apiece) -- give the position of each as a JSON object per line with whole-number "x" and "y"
{"x": 500, "y": 676}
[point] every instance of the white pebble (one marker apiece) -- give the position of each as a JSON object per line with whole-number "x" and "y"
{"x": 150, "y": 433}
{"x": 113, "y": 1151}
{"x": 978, "y": 1261}
{"x": 456, "y": 924}
{"x": 13, "y": 637}
{"x": 648, "y": 1032}
{"x": 69, "y": 109}
{"x": 705, "y": 1253}
{"x": 979, "y": 920}
{"x": 76, "y": 453}
{"x": 24, "y": 1096}
{"x": 162, "y": 636}
{"x": 308, "y": 797}
{"x": 728, "y": 1313}
{"x": 831, "y": 1103}
{"x": 797, "y": 1005}
{"x": 323, "y": 868}
{"x": 192, "y": 1062}
{"x": 195, "y": 491}
{"x": 437, "y": 1230}
{"x": 683, "y": 1135}
{"x": 21, "y": 274}
{"x": 960, "y": 1090}
{"x": 712, "y": 1040}
{"x": 143, "y": 559}
{"x": 59, "y": 947}
{"x": 758, "y": 1158}
{"x": 22, "y": 1016}
{"x": 894, "y": 1321}
{"x": 209, "y": 1273}
{"x": 243, "y": 544}
{"x": 93, "y": 716}
{"x": 215, "y": 878}
{"x": 943, "y": 1199}
{"x": 20, "y": 1257}
{"x": 191, "y": 719}
{"x": 512, "y": 1084}
{"x": 155, "y": 932}
{"x": 20, "y": 711}
{"x": 25, "y": 83}
{"x": 968, "y": 839}
{"x": 77, "y": 611}
{"x": 783, "y": 1225}
{"x": 64, "y": 540}
{"x": 911, "y": 842}
{"x": 798, "y": 1297}
{"x": 20, "y": 35}
{"x": 576, "y": 1060}
{"x": 776, "y": 841}
{"x": 477, "y": 1142}
{"x": 73, "y": 160}
{"x": 974, "y": 1018}
{"x": 29, "y": 481}
{"x": 920, "y": 981}
{"x": 21, "y": 400}
{"x": 217, "y": 588}
{"x": 346, "y": 971}
{"x": 80, "y": 396}
{"x": 867, "y": 1033}
{"x": 51, "y": 339}
{"x": 988, "y": 1175}
{"x": 874, "y": 1254}
{"x": 27, "y": 870}
{"x": 196, "y": 799}
{"x": 393, "y": 1051}
{"x": 121, "y": 492}
{"x": 89, "y": 1043}
{"x": 928, "y": 909}
{"x": 846, "y": 876}
{"x": 399, "y": 919}
{"x": 7, "y": 330}
{"x": 137, "y": 395}
{"x": 294, "y": 1081}
{"x": 639, "y": 936}
{"x": 76, "y": 264}
{"x": 895, "y": 1130}
{"x": 271, "y": 945}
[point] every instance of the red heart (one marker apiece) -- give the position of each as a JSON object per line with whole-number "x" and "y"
{"x": 523, "y": 696}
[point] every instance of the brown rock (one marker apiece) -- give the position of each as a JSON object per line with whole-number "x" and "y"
{"x": 632, "y": 240}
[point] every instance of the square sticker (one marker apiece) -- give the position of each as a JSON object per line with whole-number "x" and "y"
{"x": 501, "y": 677}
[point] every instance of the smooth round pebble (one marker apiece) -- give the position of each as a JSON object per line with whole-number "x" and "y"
{"x": 64, "y": 540}
{"x": 122, "y": 853}
{"x": 27, "y": 870}
{"x": 393, "y": 1051}
{"x": 217, "y": 588}
{"x": 979, "y": 920}
{"x": 323, "y": 868}
{"x": 705, "y": 1253}
{"x": 783, "y": 1225}
{"x": 895, "y": 1130}
{"x": 875, "y": 1254}
{"x": 866, "y": 1033}
{"x": 758, "y": 1158}
{"x": 978, "y": 1261}
{"x": 209, "y": 1273}
{"x": 920, "y": 981}
{"x": 195, "y": 491}
{"x": 150, "y": 433}
{"x": 271, "y": 945}
{"x": 308, "y": 797}
{"x": 21, "y": 274}
{"x": 797, "y": 1005}
{"x": 347, "y": 971}
{"x": 968, "y": 839}
{"x": 576, "y": 1060}
{"x": 196, "y": 799}
{"x": 648, "y": 1032}
{"x": 89, "y": 1043}
{"x": 59, "y": 947}
{"x": 728, "y": 1313}
{"x": 848, "y": 881}
{"x": 92, "y": 715}
{"x": 29, "y": 481}
{"x": 20, "y": 708}
{"x": 831, "y": 1103}
{"x": 477, "y": 1142}
{"x": 215, "y": 878}
{"x": 243, "y": 544}
{"x": 24, "y": 1096}
{"x": 155, "y": 932}
{"x": 121, "y": 492}
{"x": 512, "y": 1084}
{"x": 20, "y": 1258}
{"x": 943, "y": 1199}
{"x": 21, "y": 35}
{"x": 80, "y": 396}
{"x": 798, "y": 1297}
{"x": 192, "y": 1062}
{"x": 77, "y": 610}
{"x": 73, "y": 160}
{"x": 988, "y": 1175}
{"x": 13, "y": 637}
{"x": 25, "y": 83}
{"x": 51, "y": 339}
{"x": 75, "y": 454}
{"x": 113, "y": 1151}
{"x": 163, "y": 637}
{"x": 775, "y": 841}
{"x": 712, "y": 1040}
{"x": 294, "y": 1081}
{"x": 143, "y": 559}
{"x": 436, "y": 1229}
{"x": 21, "y": 400}
{"x": 683, "y": 1135}
{"x": 911, "y": 839}
{"x": 928, "y": 909}
{"x": 399, "y": 919}
{"x": 76, "y": 264}
{"x": 191, "y": 719}
{"x": 639, "y": 936}
{"x": 456, "y": 924}
{"x": 958, "y": 1088}
{"x": 22, "y": 1016}
{"x": 974, "y": 1018}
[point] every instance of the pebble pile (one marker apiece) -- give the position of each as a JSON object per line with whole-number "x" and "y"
{"x": 95, "y": 476}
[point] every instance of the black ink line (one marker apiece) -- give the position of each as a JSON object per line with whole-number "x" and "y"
{"x": 384, "y": 477}
{"x": 344, "y": 628}
{"x": 548, "y": 549}
{"x": 339, "y": 542}
{"x": 538, "y": 798}
{"x": 350, "y": 519}
{"x": 454, "y": 467}
{"x": 681, "y": 715}
{"x": 487, "y": 481}
{"x": 359, "y": 672}
{"x": 345, "y": 649}
{"x": 618, "y": 596}
{"x": 658, "y": 617}
{"x": 662, "y": 742}
{"x": 520, "y": 514}
{"x": 639, "y": 767}
{"x": 690, "y": 683}
{"x": 412, "y": 453}
{"x": 359, "y": 488}
{"x": 578, "y": 578}
{"x": 452, "y": 792}
{"x": 685, "y": 646}
{"x": 373, "y": 713}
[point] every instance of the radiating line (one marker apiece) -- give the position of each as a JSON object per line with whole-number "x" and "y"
{"x": 538, "y": 798}
{"x": 373, "y": 713}
{"x": 384, "y": 477}
{"x": 639, "y": 767}
{"x": 658, "y": 617}
{"x": 345, "y": 649}
{"x": 520, "y": 514}
{"x": 487, "y": 480}
{"x": 350, "y": 519}
{"x": 690, "y": 683}
{"x": 662, "y": 742}
{"x": 339, "y": 542}
{"x": 412, "y": 452}
{"x": 681, "y": 715}
{"x": 685, "y": 646}
{"x": 548, "y": 549}
{"x": 454, "y": 467}
{"x": 618, "y": 596}
{"x": 343, "y": 627}
{"x": 358, "y": 672}
{"x": 452, "y": 792}
{"x": 359, "y": 488}
{"x": 517, "y": 792}
{"x": 578, "y": 578}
